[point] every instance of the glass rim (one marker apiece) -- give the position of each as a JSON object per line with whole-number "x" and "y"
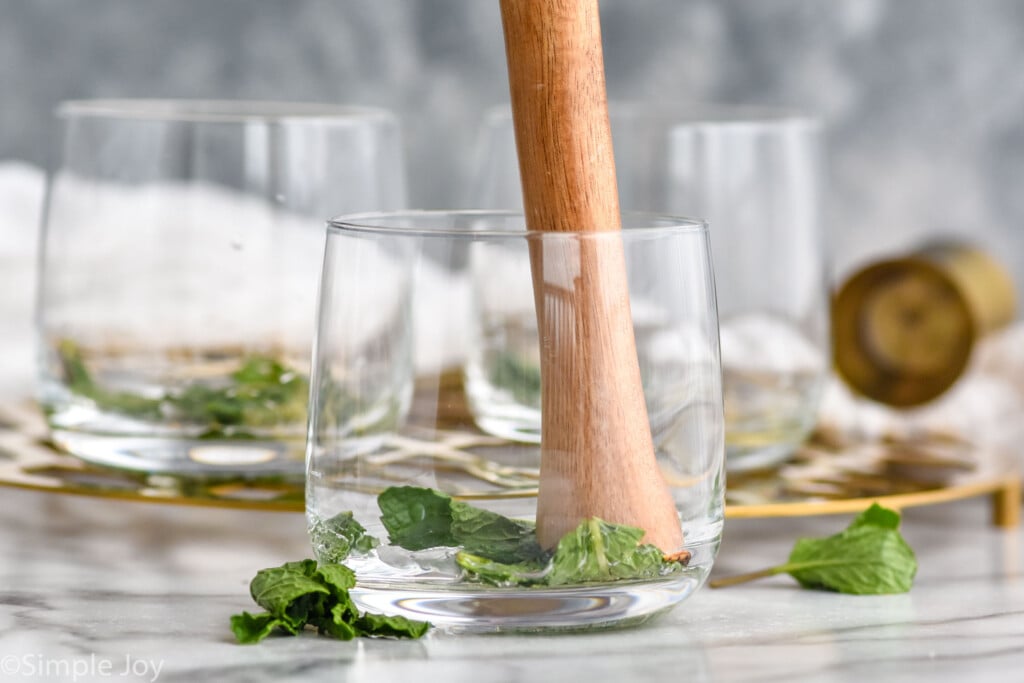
{"x": 375, "y": 222}
{"x": 217, "y": 110}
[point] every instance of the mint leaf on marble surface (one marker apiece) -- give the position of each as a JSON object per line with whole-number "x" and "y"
{"x": 287, "y": 590}
{"x": 870, "y": 557}
{"x": 336, "y": 577}
{"x": 878, "y": 516}
{"x": 252, "y": 628}
{"x": 304, "y": 593}
{"x": 392, "y": 627}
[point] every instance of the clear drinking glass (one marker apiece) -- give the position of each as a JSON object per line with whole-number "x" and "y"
{"x": 390, "y": 412}
{"x": 179, "y": 272}
{"x": 754, "y": 175}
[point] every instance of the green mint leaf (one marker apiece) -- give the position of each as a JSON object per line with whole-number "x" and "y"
{"x": 518, "y": 376}
{"x": 878, "y": 516}
{"x": 419, "y": 518}
{"x": 281, "y": 588}
{"x": 252, "y": 628}
{"x": 76, "y": 373}
{"x": 298, "y": 594}
{"x": 200, "y": 404}
{"x": 869, "y": 557}
{"x": 382, "y": 626}
{"x": 863, "y": 560}
{"x": 505, "y": 575}
{"x": 505, "y": 552}
{"x": 337, "y": 537}
{"x": 259, "y": 370}
{"x": 337, "y": 577}
{"x": 416, "y": 518}
{"x": 269, "y": 392}
{"x": 262, "y": 392}
{"x": 599, "y": 551}
{"x": 490, "y": 535}
{"x": 338, "y": 622}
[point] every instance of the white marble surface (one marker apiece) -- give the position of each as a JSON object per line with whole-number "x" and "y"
{"x": 100, "y": 586}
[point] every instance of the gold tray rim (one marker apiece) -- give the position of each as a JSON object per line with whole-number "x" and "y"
{"x": 29, "y": 449}
{"x": 1004, "y": 490}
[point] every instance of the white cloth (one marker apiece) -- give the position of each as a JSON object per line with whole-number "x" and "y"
{"x": 985, "y": 407}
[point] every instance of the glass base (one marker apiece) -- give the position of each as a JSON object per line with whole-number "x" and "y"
{"x": 183, "y": 457}
{"x": 530, "y": 610}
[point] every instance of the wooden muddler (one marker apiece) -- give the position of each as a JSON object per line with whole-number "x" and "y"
{"x": 597, "y": 456}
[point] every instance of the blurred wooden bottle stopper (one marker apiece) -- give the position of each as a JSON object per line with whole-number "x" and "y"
{"x": 904, "y": 328}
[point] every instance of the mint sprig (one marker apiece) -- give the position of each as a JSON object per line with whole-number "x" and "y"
{"x": 870, "y": 557}
{"x": 300, "y": 594}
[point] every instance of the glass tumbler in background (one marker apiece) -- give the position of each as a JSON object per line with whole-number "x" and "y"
{"x": 389, "y": 413}
{"x": 180, "y": 254}
{"x": 754, "y": 175}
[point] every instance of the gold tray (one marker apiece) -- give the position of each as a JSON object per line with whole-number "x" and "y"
{"x": 823, "y": 478}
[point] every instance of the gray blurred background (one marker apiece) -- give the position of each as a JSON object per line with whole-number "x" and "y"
{"x": 923, "y": 99}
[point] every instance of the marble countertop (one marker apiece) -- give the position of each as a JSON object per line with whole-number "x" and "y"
{"x": 96, "y": 590}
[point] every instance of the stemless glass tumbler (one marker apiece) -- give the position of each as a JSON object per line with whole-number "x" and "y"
{"x": 437, "y": 517}
{"x": 179, "y": 271}
{"x": 754, "y": 175}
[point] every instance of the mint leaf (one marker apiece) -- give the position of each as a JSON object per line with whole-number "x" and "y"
{"x": 518, "y": 376}
{"x": 595, "y": 551}
{"x": 337, "y": 622}
{"x": 257, "y": 371}
{"x": 498, "y": 538}
{"x": 876, "y": 515}
{"x": 300, "y": 594}
{"x": 863, "y": 560}
{"x": 337, "y": 577}
{"x": 262, "y": 392}
{"x": 416, "y": 518}
{"x": 869, "y": 557}
{"x": 281, "y": 589}
{"x": 599, "y": 551}
{"x": 502, "y": 574}
{"x": 252, "y": 628}
{"x": 337, "y": 537}
{"x": 419, "y": 518}
{"x": 380, "y": 625}
{"x": 505, "y": 552}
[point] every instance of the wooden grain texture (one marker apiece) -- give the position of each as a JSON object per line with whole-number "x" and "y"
{"x": 597, "y": 454}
